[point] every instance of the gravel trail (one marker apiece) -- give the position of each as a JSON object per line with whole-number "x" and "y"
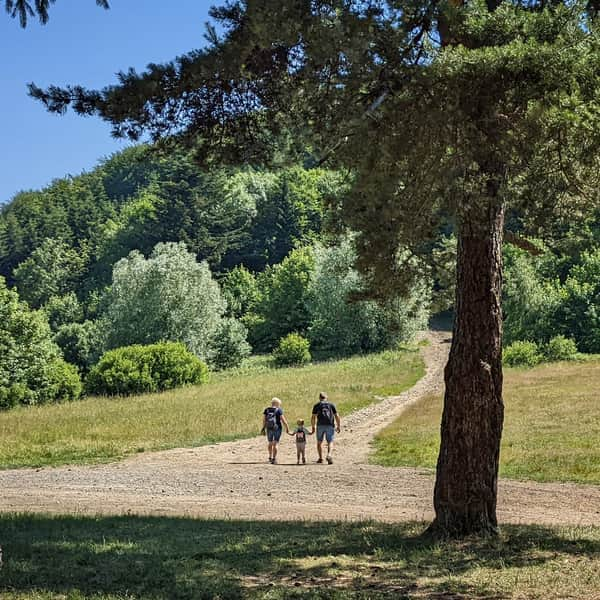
{"x": 233, "y": 479}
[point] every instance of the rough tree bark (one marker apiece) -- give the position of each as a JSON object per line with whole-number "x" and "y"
{"x": 467, "y": 469}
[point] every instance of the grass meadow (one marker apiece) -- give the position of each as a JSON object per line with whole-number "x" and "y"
{"x": 229, "y": 407}
{"x": 551, "y": 426}
{"x": 76, "y": 557}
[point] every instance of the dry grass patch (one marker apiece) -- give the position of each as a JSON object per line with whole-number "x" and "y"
{"x": 551, "y": 428}
{"x": 230, "y": 407}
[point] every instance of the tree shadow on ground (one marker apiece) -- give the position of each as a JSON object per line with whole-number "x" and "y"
{"x": 159, "y": 557}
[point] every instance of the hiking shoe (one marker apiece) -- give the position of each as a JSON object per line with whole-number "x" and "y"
{"x": 319, "y": 460}
{"x": 329, "y": 460}
{"x": 270, "y": 460}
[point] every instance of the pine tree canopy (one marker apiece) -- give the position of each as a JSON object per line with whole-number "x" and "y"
{"x": 24, "y": 9}
{"x": 419, "y": 99}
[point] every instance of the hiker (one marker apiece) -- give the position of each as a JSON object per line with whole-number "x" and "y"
{"x": 300, "y": 432}
{"x": 272, "y": 424}
{"x": 324, "y": 414}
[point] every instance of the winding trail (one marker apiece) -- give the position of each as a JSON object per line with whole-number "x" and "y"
{"x": 233, "y": 479}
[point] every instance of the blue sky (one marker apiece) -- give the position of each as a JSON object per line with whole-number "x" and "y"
{"x": 81, "y": 44}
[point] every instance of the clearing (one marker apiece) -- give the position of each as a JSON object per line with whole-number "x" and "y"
{"x": 233, "y": 480}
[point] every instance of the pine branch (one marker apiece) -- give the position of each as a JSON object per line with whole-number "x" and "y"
{"x": 522, "y": 243}
{"x": 24, "y": 10}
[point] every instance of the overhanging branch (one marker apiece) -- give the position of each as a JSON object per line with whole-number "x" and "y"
{"x": 522, "y": 243}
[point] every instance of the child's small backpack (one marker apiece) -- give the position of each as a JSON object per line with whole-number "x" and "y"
{"x": 300, "y": 435}
{"x": 271, "y": 418}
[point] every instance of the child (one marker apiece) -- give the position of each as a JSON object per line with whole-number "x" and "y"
{"x": 300, "y": 432}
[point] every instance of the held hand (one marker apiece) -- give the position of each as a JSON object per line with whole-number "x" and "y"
{"x": 338, "y": 429}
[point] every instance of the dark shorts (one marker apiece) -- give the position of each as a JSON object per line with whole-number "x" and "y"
{"x": 325, "y": 431}
{"x": 274, "y": 435}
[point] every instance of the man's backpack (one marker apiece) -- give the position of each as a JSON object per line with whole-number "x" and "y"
{"x": 271, "y": 418}
{"x": 326, "y": 413}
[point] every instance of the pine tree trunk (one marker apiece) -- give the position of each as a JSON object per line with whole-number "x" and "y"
{"x": 467, "y": 469}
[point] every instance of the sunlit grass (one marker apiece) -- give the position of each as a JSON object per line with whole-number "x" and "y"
{"x": 229, "y": 407}
{"x": 159, "y": 557}
{"x": 551, "y": 429}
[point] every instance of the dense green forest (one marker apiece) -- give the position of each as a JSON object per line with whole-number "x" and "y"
{"x": 149, "y": 248}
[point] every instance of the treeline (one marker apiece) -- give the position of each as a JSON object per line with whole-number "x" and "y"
{"x": 137, "y": 199}
{"x": 147, "y": 249}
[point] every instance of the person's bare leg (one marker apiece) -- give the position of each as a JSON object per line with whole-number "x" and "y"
{"x": 320, "y": 450}
{"x": 298, "y": 454}
{"x": 274, "y": 451}
{"x": 270, "y": 450}
{"x": 329, "y": 451}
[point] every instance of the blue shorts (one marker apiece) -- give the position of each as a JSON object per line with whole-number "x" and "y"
{"x": 325, "y": 431}
{"x": 274, "y": 435}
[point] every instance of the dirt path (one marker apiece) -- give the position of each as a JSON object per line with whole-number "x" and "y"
{"x": 233, "y": 480}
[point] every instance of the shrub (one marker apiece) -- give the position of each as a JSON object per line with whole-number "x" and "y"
{"x": 62, "y": 310}
{"x": 521, "y": 354}
{"x": 343, "y": 326}
{"x": 32, "y": 370}
{"x": 63, "y": 381}
{"x": 79, "y": 343}
{"x": 152, "y": 368}
{"x": 292, "y": 350}
{"x": 230, "y": 345}
{"x": 560, "y": 348}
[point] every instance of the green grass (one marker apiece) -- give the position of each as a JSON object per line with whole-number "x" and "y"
{"x": 551, "y": 428}
{"x": 230, "y": 407}
{"x": 179, "y": 558}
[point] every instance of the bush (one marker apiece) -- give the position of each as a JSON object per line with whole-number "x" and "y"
{"x": 230, "y": 345}
{"x": 292, "y": 350}
{"x": 343, "y": 326}
{"x": 138, "y": 369}
{"x": 63, "y": 381}
{"x": 62, "y": 310}
{"x": 79, "y": 343}
{"x": 560, "y": 348}
{"x": 32, "y": 370}
{"x": 521, "y": 354}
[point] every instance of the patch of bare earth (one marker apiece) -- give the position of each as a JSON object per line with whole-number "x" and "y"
{"x": 234, "y": 480}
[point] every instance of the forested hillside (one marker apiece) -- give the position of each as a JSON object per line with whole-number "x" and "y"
{"x": 149, "y": 248}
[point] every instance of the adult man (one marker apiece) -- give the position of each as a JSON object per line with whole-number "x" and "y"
{"x": 272, "y": 423}
{"x": 324, "y": 414}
